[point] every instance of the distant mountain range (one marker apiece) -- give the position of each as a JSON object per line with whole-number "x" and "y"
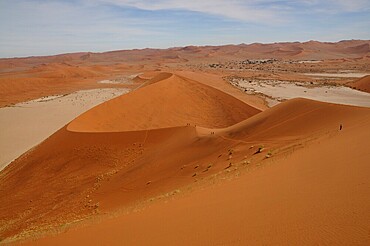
{"x": 311, "y": 50}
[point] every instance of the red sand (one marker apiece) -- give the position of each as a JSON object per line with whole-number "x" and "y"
{"x": 362, "y": 84}
{"x": 91, "y": 172}
{"x": 309, "y": 185}
{"x": 313, "y": 190}
{"x": 168, "y": 101}
{"x": 317, "y": 195}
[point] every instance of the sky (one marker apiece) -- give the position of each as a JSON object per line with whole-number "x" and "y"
{"x": 48, "y": 27}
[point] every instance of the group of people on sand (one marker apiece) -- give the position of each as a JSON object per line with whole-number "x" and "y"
{"x": 188, "y": 124}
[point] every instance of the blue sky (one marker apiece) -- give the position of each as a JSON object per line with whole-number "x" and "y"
{"x": 40, "y": 27}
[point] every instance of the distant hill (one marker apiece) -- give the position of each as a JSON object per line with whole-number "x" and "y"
{"x": 311, "y": 50}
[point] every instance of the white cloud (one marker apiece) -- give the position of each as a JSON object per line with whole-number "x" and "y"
{"x": 250, "y": 11}
{"x": 262, "y": 11}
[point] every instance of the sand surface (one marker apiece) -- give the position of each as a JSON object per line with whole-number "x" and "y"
{"x": 25, "y": 125}
{"x": 310, "y": 178}
{"x": 278, "y": 91}
{"x": 312, "y": 190}
{"x": 180, "y": 101}
{"x": 362, "y": 84}
{"x": 315, "y": 196}
{"x": 187, "y": 158}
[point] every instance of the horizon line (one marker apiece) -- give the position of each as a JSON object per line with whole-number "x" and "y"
{"x": 174, "y": 47}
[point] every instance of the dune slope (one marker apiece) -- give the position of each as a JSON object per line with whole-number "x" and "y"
{"x": 317, "y": 195}
{"x": 362, "y": 84}
{"x": 77, "y": 160}
{"x": 101, "y": 162}
{"x": 168, "y": 101}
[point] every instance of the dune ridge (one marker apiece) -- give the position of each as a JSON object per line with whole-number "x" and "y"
{"x": 167, "y": 100}
{"x": 105, "y": 160}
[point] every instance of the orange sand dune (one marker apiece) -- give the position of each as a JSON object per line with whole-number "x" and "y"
{"x": 216, "y": 81}
{"x": 292, "y": 177}
{"x": 137, "y": 149}
{"x": 77, "y": 160}
{"x": 362, "y": 84}
{"x": 318, "y": 195}
{"x": 168, "y": 101}
{"x": 65, "y": 70}
{"x": 312, "y": 190}
{"x": 50, "y": 79}
{"x": 296, "y": 118}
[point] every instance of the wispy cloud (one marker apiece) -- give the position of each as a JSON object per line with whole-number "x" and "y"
{"x": 255, "y": 11}
{"x": 250, "y": 11}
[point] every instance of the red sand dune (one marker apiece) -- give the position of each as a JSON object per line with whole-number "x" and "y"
{"x": 312, "y": 190}
{"x": 85, "y": 160}
{"x": 317, "y": 195}
{"x": 49, "y": 79}
{"x": 362, "y": 84}
{"x": 168, "y": 101}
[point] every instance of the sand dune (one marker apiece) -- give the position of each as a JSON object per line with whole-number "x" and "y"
{"x": 186, "y": 158}
{"x": 317, "y": 195}
{"x": 137, "y": 150}
{"x": 304, "y": 194}
{"x": 362, "y": 84}
{"x": 167, "y": 101}
{"x": 49, "y": 78}
{"x": 298, "y": 118}
{"x": 85, "y": 156}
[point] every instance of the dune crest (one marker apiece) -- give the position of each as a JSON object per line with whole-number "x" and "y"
{"x": 168, "y": 100}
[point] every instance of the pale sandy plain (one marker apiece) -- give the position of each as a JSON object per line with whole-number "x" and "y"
{"x": 189, "y": 159}
{"x": 24, "y": 125}
{"x": 340, "y": 75}
{"x": 278, "y": 91}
